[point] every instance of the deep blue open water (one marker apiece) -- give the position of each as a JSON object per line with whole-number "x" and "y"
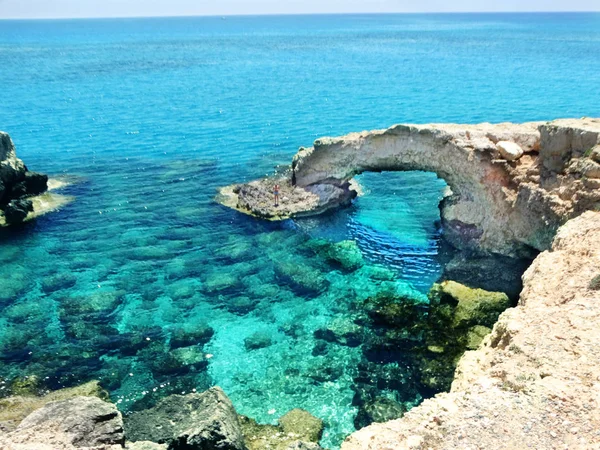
{"x": 150, "y": 116}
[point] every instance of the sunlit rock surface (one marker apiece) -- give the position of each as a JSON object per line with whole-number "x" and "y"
{"x": 24, "y": 195}
{"x": 512, "y": 185}
{"x": 533, "y": 382}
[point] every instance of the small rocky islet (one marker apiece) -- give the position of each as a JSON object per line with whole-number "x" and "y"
{"x": 412, "y": 346}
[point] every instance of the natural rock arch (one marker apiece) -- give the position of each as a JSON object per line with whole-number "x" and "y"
{"x": 512, "y": 185}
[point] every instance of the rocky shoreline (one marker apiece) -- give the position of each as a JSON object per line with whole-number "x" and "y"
{"x": 529, "y": 379}
{"x": 517, "y": 190}
{"x": 535, "y": 380}
{"x": 83, "y": 418}
{"x": 24, "y": 195}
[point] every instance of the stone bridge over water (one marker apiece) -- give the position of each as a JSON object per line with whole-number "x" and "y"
{"x": 512, "y": 185}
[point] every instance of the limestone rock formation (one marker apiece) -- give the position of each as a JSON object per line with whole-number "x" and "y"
{"x": 535, "y": 380}
{"x": 500, "y": 202}
{"x": 80, "y": 422}
{"x": 188, "y": 422}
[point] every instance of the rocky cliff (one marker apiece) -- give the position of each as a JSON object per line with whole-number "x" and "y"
{"x": 535, "y": 380}
{"x": 23, "y": 194}
{"x": 512, "y": 185}
{"x": 17, "y": 184}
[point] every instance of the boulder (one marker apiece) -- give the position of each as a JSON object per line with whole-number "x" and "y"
{"x": 16, "y": 211}
{"x": 258, "y": 340}
{"x": 297, "y": 430}
{"x": 74, "y": 423}
{"x": 473, "y": 306}
{"x": 189, "y": 422}
{"x": 302, "y": 423}
{"x": 509, "y": 150}
{"x": 595, "y": 153}
{"x": 15, "y": 408}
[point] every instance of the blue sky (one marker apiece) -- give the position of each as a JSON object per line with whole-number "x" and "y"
{"x": 128, "y": 8}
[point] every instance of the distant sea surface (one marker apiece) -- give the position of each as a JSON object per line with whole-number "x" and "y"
{"x": 148, "y": 117}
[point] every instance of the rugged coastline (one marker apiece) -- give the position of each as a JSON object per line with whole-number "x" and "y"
{"x": 535, "y": 376}
{"x": 535, "y": 381}
{"x": 511, "y": 185}
{"x": 24, "y": 194}
{"x": 516, "y": 190}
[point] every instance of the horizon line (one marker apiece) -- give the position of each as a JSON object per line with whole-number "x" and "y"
{"x": 174, "y": 16}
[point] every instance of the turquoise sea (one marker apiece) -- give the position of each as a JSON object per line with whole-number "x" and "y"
{"x": 147, "y": 284}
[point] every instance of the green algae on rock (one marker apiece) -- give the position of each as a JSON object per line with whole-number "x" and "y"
{"x": 473, "y": 306}
{"x": 345, "y": 253}
{"x": 296, "y": 425}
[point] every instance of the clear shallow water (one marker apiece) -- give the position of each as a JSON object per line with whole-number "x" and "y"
{"x": 153, "y": 115}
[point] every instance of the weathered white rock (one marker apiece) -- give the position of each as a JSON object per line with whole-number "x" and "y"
{"x": 509, "y": 150}
{"x": 534, "y": 378}
{"x": 511, "y": 209}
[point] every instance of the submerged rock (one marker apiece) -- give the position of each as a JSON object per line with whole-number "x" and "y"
{"x": 258, "y": 340}
{"x": 301, "y": 278}
{"x": 58, "y": 282}
{"x": 297, "y": 430}
{"x": 345, "y": 253}
{"x": 189, "y": 422}
{"x": 199, "y": 334}
{"x": 379, "y": 410}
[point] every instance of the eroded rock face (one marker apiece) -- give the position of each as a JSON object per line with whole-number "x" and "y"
{"x": 17, "y": 184}
{"x": 533, "y": 382}
{"x": 512, "y": 185}
{"x": 188, "y": 422}
{"x": 80, "y": 422}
